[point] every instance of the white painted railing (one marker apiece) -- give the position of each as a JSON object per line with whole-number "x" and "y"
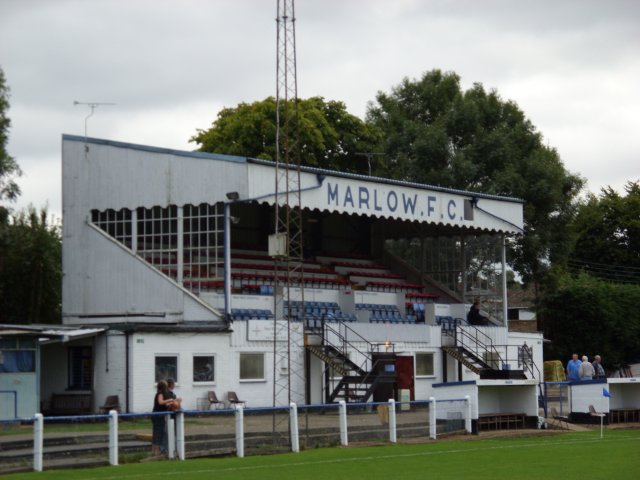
{"x": 176, "y": 426}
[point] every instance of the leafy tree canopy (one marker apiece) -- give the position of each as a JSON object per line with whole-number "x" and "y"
{"x": 607, "y": 232}
{"x": 433, "y": 132}
{"x": 587, "y": 315}
{"x": 8, "y": 167}
{"x": 330, "y": 137}
{"x": 30, "y": 269}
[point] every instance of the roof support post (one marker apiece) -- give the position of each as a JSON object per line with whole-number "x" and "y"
{"x": 227, "y": 262}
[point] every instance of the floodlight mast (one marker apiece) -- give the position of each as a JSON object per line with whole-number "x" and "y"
{"x": 288, "y": 261}
{"x": 92, "y": 106}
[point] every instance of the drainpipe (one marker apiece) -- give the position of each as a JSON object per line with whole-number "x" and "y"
{"x": 504, "y": 282}
{"x": 126, "y": 376}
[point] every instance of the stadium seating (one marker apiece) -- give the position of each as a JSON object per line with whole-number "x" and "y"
{"x": 381, "y": 313}
{"x": 251, "y": 314}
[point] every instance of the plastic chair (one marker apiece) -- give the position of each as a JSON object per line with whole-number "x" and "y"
{"x": 213, "y": 400}
{"x": 234, "y": 401}
{"x": 558, "y": 420}
{"x": 111, "y": 403}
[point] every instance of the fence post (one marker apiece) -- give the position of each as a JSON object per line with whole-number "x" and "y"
{"x": 392, "y": 421}
{"x": 293, "y": 425}
{"x": 344, "y": 437}
{"x": 432, "y": 418}
{"x": 38, "y": 444}
{"x": 113, "y": 437}
{"x": 180, "y": 434}
{"x": 467, "y": 414}
{"x": 240, "y": 431}
{"x": 171, "y": 437}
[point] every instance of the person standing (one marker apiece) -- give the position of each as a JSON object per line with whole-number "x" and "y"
{"x": 161, "y": 401}
{"x": 171, "y": 385}
{"x": 586, "y": 369}
{"x": 573, "y": 368}
{"x": 598, "y": 368}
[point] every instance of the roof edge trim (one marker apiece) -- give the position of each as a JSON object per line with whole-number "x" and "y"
{"x": 147, "y": 148}
{"x": 388, "y": 181}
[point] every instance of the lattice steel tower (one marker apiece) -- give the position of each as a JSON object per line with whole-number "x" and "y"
{"x": 288, "y": 358}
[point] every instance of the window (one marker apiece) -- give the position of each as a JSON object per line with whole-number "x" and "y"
{"x": 203, "y": 233}
{"x": 166, "y": 367}
{"x": 424, "y": 365}
{"x": 154, "y": 234}
{"x": 80, "y": 371}
{"x": 17, "y": 355}
{"x": 252, "y": 366}
{"x": 116, "y": 223}
{"x": 203, "y": 368}
{"x": 157, "y": 237}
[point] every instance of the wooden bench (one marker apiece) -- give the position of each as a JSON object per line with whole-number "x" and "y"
{"x": 624, "y": 415}
{"x": 501, "y": 421}
{"x": 70, "y": 404}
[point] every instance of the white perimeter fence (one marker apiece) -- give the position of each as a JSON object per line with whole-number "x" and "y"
{"x": 201, "y": 433}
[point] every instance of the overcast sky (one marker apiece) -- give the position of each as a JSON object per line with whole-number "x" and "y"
{"x": 573, "y": 67}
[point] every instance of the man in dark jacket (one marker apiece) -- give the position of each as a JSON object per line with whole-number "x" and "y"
{"x": 474, "y": 317}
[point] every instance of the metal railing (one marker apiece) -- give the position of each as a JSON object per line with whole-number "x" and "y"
{"x": 112, "y": 438}
{"x": 500, "y": 357}
{"x": 478, "y": 343}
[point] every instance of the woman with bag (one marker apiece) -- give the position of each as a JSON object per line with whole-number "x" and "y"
{"x": 161, "y": 402}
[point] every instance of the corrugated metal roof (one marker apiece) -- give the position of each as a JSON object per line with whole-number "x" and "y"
{"x": 150, "y": 149}
{"x": 320, "y": 171}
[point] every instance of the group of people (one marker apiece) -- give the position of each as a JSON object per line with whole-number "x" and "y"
{"x": 164, "y": 400}
{"x": 583, "y": 370}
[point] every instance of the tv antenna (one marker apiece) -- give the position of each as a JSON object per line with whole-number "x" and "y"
{"x": 92, "y": 106}
{"x": 370, "y": 156}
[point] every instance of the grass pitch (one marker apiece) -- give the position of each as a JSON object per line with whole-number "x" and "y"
{"x": 568, "y": 456}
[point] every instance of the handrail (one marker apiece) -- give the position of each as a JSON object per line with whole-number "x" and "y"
{"x": 475, "y": 345}
{"x": 461, "y": 334}
{"x": 326, "y": 327}
{"x": 368, "y": 359}
{"x": 528, "y": 364}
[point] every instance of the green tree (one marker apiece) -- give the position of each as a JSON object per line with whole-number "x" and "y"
{"x": 30, "y": 269}
{"x": 9, "y": 169}
{"x": 592, "y": 316}
{"x": 330, "y": 137}
{"x": 433, "y": 132}
{"x": 607, "y": 232}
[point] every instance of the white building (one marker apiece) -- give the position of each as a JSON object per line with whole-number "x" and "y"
{"x": 149, "y": 246}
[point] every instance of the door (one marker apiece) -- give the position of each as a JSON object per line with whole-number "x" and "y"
{"x": 404, "y": 375}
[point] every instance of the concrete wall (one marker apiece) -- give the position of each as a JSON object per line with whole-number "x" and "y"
{"x": 248, "y": 336}
{"x": 625, "y": 392}
{"x": 533, "y": 340}
{"x": 498, "y": 396}
{"x": 110, "y": 368}
{"x": 25, "y": 401}
{"x": 583, "y": 394}
{"x": 106, "y": 279}
{"x": 459, "y": 390}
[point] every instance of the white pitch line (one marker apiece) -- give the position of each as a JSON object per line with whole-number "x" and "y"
{"x": 361, "y": 459}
